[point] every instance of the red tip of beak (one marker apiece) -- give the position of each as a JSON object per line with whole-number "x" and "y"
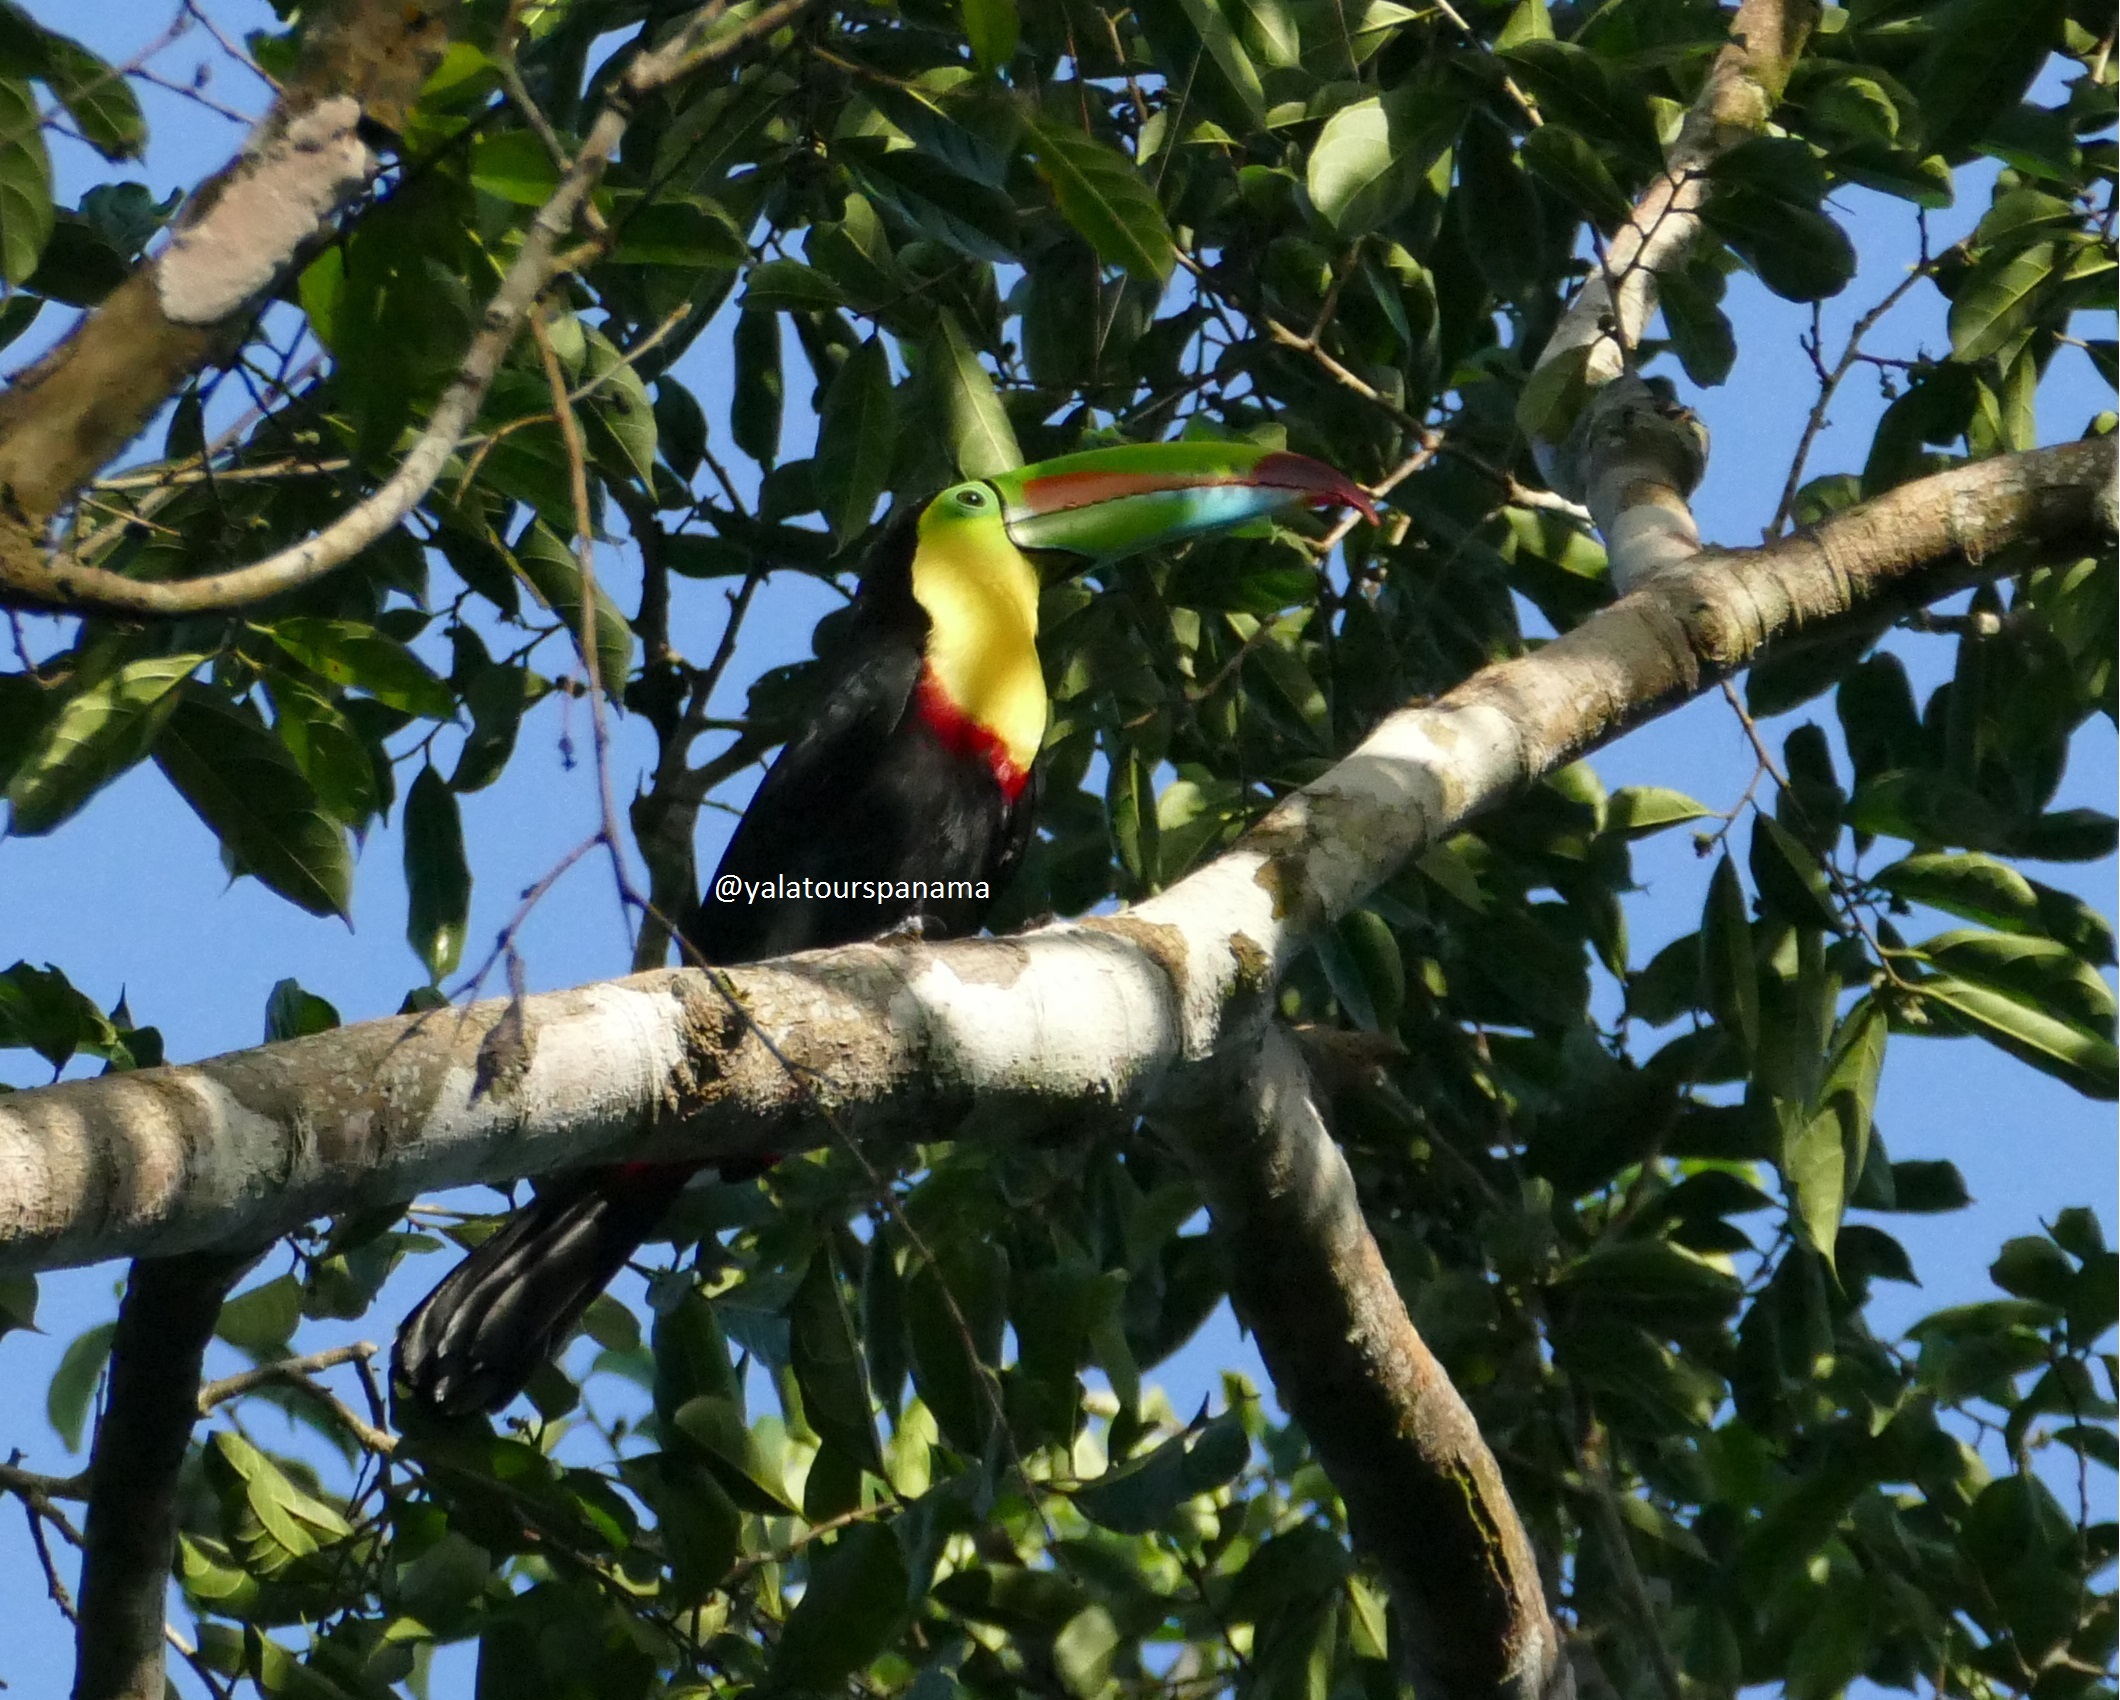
{"x": 1326, "y": 486}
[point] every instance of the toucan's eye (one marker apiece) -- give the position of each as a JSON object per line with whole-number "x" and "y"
{"x": 971, "y": 498}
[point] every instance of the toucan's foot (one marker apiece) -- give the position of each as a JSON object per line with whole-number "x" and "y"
{"x": 914, "y": 929}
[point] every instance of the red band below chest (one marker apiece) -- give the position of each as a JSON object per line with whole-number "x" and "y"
{"x": 963, "y": 736}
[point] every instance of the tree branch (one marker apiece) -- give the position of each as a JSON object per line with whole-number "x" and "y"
{"x": 1744, "y": 86}
{"x": 27, "y": 579}
{"x": 1634, "y": 458}
{"x": 164, "y": 1323}
{"x": 246, "y": 228}
{"x": 1023, "y": 1032}
{"x": 1424, "y": 1494}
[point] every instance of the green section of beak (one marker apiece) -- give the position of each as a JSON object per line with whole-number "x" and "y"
{"x": 1106, "y": 503}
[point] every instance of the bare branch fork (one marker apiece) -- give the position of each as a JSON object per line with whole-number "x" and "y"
{"x": 1625, "y": 448}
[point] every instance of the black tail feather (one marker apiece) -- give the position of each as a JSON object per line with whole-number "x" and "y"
{"x": 476, "y": 1340}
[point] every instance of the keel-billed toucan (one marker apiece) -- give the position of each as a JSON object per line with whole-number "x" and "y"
{"x": 916, "y": 767}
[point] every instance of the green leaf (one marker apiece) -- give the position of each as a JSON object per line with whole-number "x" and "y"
{"x": 854, "y": 1602}
{"x": 1082, "y": 1651}
{"x": 18, "y": 1303}
{"x": 41, "y": 1010}
{"x": 240, "y": 780}
{"x": 1530, "y": 21}
{"x": 1198, "y": 52}
{"x": 1790, "y": 882}
{"x": 1728, "y": 975}
{"x": 982, "y": 441}
{"x": 1141, "y": 1495}
{"x": 1971, "y": 885}
{"x": 788, "y": 286}
{"x": 515, "y": 167}
{"x": 549, "y": 564}
{"x": 680, "y": 427}
{"x": 497, "y": 697}
{"x": 1554, "y": 394}
{"x": 826, "y": 1358}
{"x": 948, "y": 1367}
{"x": 1663, "y": 1283}
{"x": 754, "y": 407}
{"x": 1700, "y": 330}
{"x": 2038, "y": 970}
{"x": 292, "y": 1013}
{"x": 25, "y": 182}
{"x": 1130, "y": 803}
{"x": 1635, "y": 810}
{"x": 95, "y": 736}
{"x": 2019, "y": 214}
{"x": 1982, "y": 56}
{"x": 1923, "y": 179}
{"x": 1583, "y": 91}
{"x": 990, "y": 26}
{"x": 711, "y": 1428}
{"x": 1798, "y": 251}
{"x": 1814, "y": 1163}
{"x": 1374, "y": 153}
{"x": 359, "y": 657}
{"x": 437, "y": 877}
{"x": 1104, "y": 198}
{"x": 73, "y": 1383}
{"x": 262, "y": 1320}
{"x": 620, "y": 416}
{"x": 334, "y": 757}
{"x": 1857, "y": 107}
{"x": 1575, "y": 170}
{"x": 691, "y": 1357}
{"x": 79, "y": 267}
{"x": 2084, "y": 1061}
{"x": 96, "y": 96}
{"x": 1511, "y": 250}
{"x": 857, "y": 436}
{"x": 700, "y": 1526}
{"x": 1373, "y": 952}
{"x": 679, "y": 233}
{"x": 2066, "y": 835}
{"x": 1994, "y": 302}
{"x": 1852, "y": 1073}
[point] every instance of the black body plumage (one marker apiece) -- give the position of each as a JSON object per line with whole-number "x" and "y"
{"x": 867, "y": 790}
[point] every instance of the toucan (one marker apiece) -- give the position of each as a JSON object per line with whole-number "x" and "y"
{"x": 917, "y": 767}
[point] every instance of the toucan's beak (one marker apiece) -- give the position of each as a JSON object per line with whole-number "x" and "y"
{"x": 1106, "y": 503}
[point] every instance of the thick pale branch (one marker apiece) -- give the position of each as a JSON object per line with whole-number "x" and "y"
{"x": 1637, "y": 456}
{"x": 1423, "y": 1492}
{"x": 904, "y": 1041}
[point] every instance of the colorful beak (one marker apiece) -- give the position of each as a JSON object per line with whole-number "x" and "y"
{"x": 1108, "y": 503}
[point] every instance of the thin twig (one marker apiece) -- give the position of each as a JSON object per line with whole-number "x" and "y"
{"x": 570, "y": 432}
{"x": 1829, "y": 384}
{"x": 57, "y": 1589}
{"x": 299, "y": 1373}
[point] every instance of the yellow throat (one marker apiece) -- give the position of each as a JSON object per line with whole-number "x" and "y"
{"x": 980, "y": 593}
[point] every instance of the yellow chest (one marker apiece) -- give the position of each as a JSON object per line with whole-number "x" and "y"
{"x": 982, "y": 648}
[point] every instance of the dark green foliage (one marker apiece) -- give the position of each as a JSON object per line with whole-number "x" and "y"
{"x": 862, "y": 1449}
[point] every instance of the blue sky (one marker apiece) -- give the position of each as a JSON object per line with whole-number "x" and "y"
{"x": 131, "y": 895}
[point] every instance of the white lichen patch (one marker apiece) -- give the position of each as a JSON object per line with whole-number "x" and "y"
{"x": 274, "y": 202}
